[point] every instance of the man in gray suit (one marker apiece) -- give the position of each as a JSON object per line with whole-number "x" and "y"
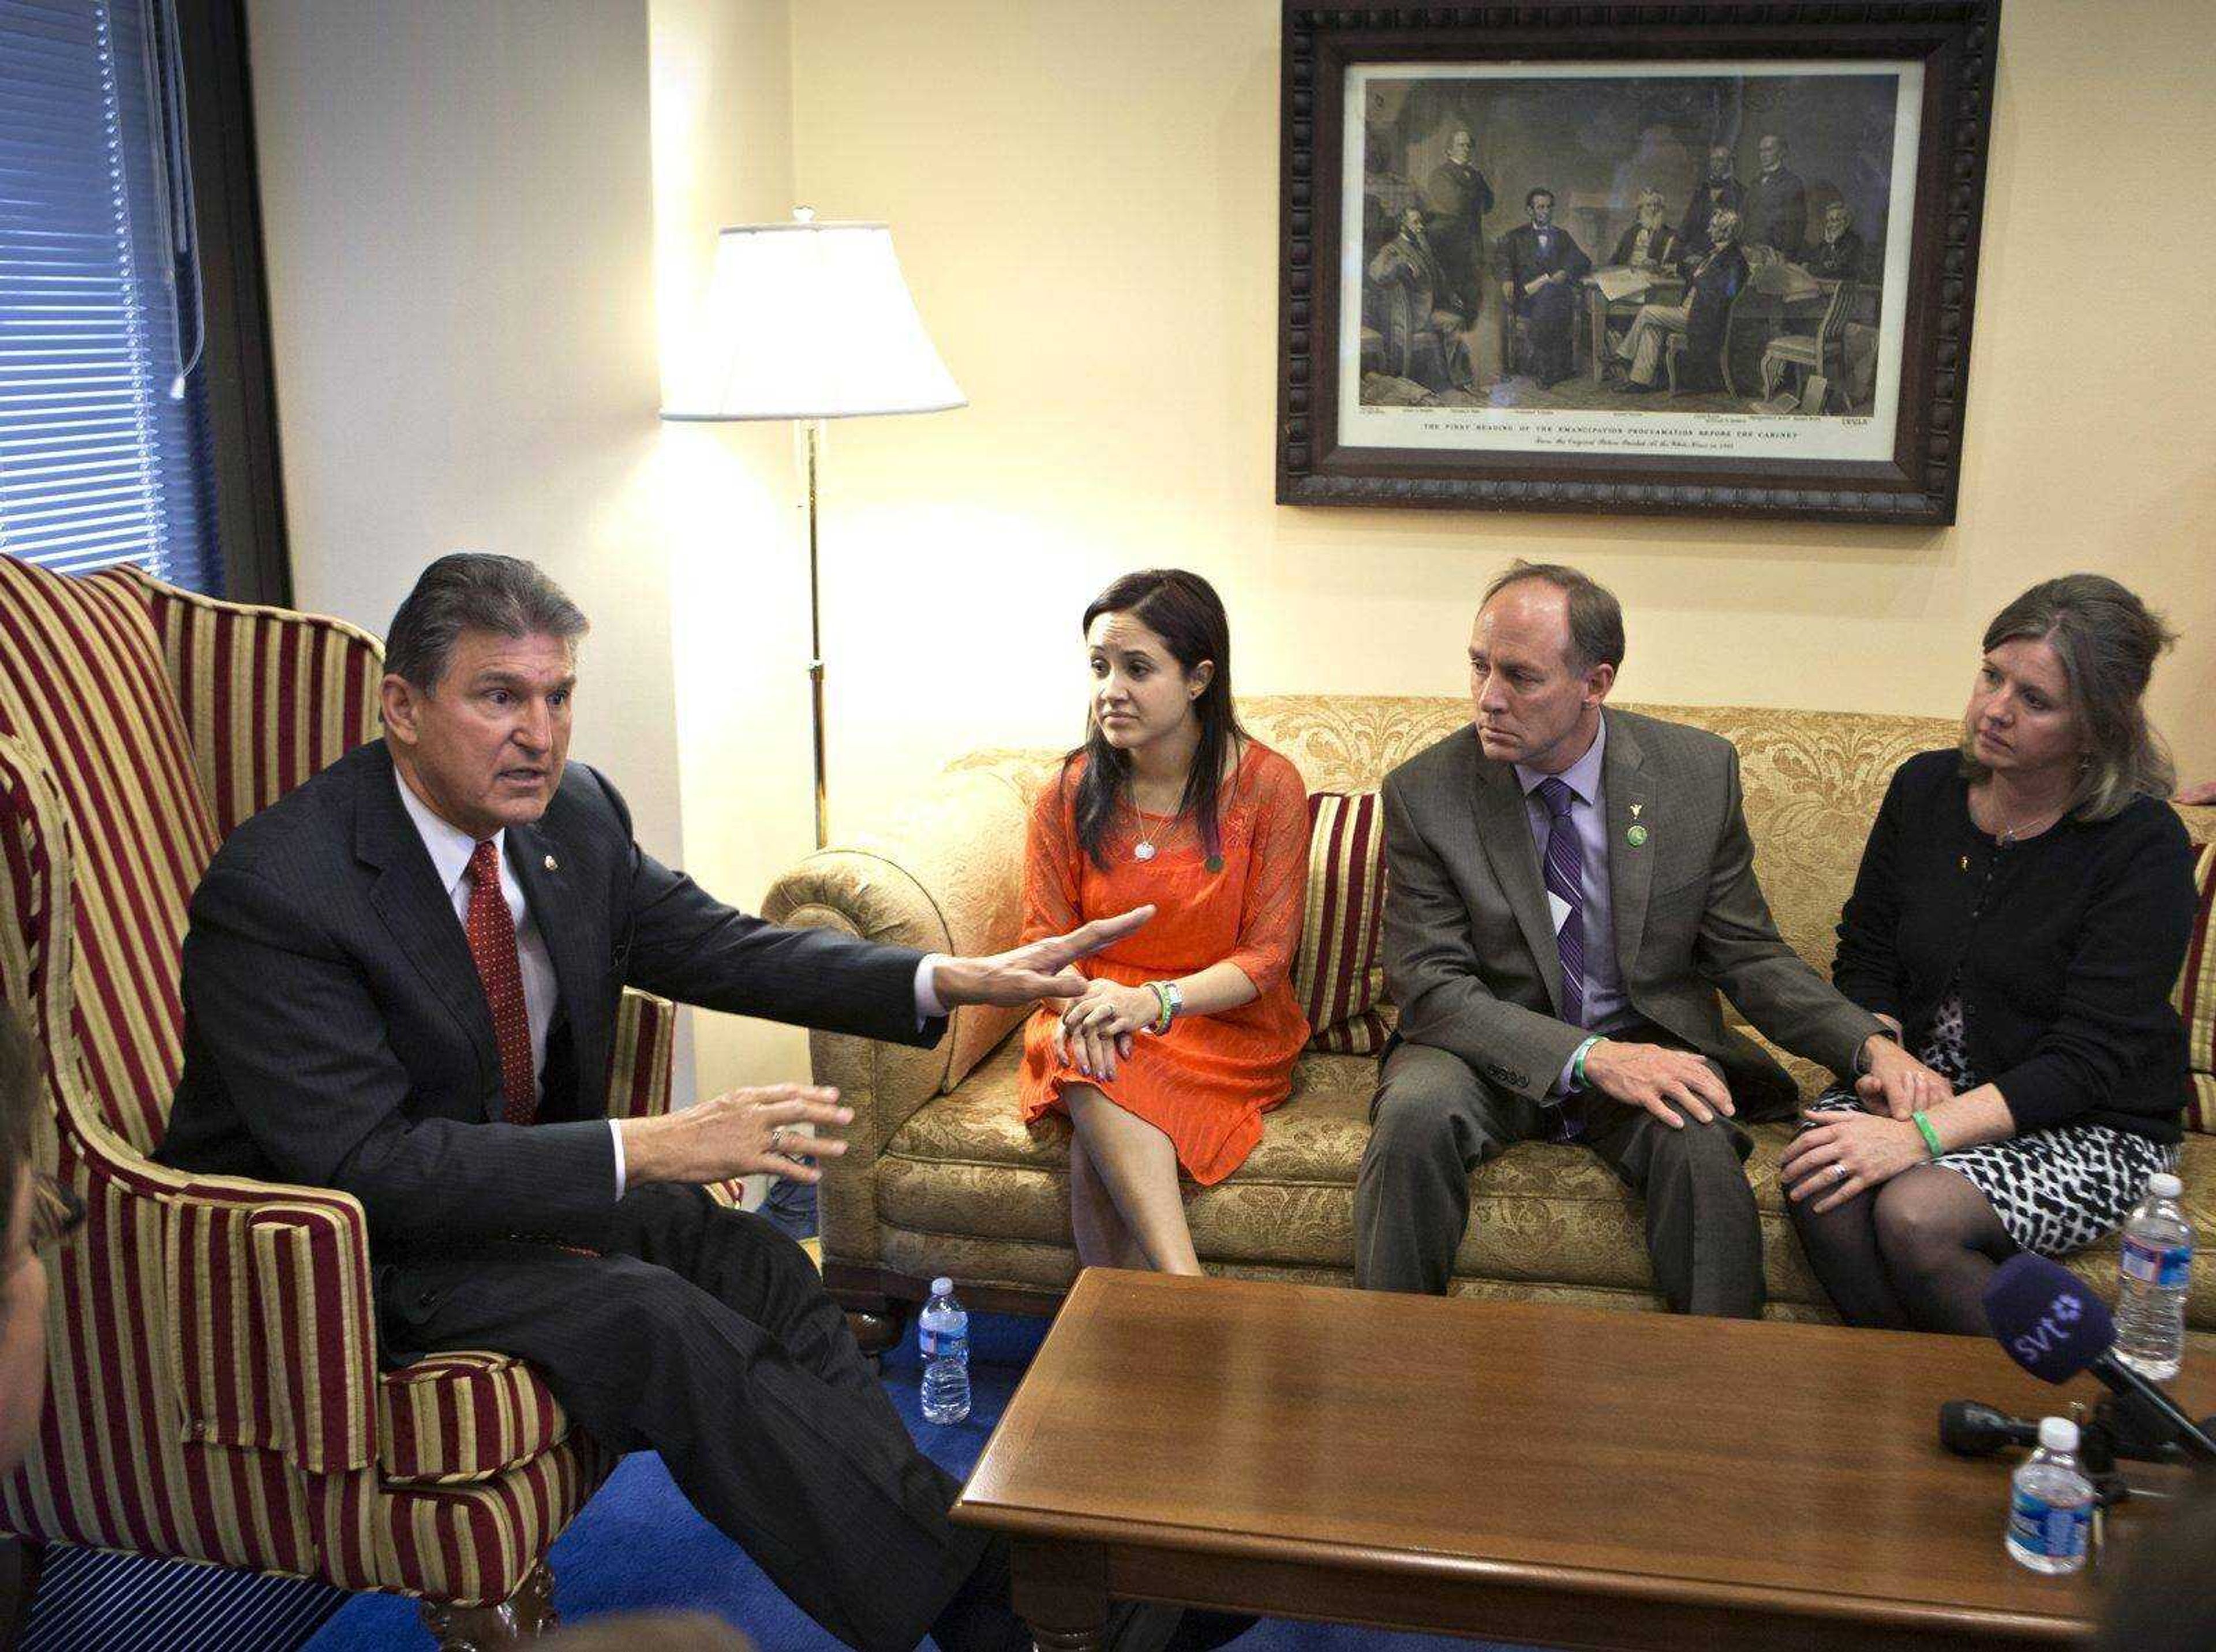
{"x": 1566, "y": 890}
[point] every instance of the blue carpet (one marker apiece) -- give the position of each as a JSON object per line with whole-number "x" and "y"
{"x": 639, "y": 1545}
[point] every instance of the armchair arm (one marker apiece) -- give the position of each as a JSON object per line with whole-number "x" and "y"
{"x": 242, "y": 1307}
{"x": 946, "y": 876}
{"x": 273, "y": 1336}
{"x": 639, "y": 1056}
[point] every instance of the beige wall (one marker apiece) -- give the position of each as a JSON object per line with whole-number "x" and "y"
{"x": 458, "y": 212}
{"x": 1085, "y": 198}
{"x": 723, "y": 154}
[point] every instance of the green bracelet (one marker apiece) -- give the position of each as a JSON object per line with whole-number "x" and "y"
{"x": 1162, "y": 1000}
{"x": 1929, "y": 1133}
{"x": 1578, "y": 1062}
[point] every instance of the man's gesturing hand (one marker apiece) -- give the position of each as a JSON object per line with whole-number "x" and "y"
{"x": 1652, "y": 1077}
{"x": 1041, "y": 970}
{"x": 737, "y": 1133}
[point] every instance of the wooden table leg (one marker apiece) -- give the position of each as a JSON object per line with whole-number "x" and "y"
{"x": 1060, "y": 1589}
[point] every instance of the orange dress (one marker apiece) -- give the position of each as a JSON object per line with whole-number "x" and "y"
{"x": 1205, "y": 1084}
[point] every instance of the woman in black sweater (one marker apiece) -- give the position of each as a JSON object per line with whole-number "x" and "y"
{"x": 2020, "y": 918}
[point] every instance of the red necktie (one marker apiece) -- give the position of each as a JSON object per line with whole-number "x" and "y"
{"x": 491, "y": 929}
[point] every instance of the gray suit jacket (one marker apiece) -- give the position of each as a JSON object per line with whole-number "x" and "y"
{"x": 1470, "y": 956}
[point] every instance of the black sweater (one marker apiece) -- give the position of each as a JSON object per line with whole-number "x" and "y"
{"x": 2067, "y": 946}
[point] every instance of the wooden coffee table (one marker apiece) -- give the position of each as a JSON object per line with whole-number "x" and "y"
{"x": 1554, "y": 1476}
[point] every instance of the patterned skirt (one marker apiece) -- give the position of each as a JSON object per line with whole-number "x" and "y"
{"x": 2055, "y": 1190}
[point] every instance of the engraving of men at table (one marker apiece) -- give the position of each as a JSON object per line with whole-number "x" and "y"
{"x": 1837, "y": 255}
{"x": 1713, "y": 280}
{"x": 1775, "y": 210}
{"x": 1718, "y": 191}
{"x": 1540, "y": 265}
{"x": 1409, "y": 303}
{"x": 1650, "y": 243}
{"x": 1455, "y": 197}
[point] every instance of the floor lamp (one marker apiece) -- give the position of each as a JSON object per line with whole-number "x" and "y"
{"x": 808, "y": 321}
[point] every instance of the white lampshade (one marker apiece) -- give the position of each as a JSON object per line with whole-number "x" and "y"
{"x": 809, "y": 321}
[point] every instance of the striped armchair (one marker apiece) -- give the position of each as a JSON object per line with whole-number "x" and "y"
{"x": 215, "y": 1393}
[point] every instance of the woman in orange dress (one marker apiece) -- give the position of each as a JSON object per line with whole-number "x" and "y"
{"x": 1188, "y": 1031}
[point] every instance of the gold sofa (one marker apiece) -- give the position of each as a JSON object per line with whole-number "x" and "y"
{"x": 940, "y": 1177}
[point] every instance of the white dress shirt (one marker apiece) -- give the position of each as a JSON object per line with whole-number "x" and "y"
{"x": 450, "y": 848}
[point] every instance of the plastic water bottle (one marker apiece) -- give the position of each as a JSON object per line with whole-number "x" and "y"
{"x": 2051, "y": 1503}
{"x": 942, "y": 1336}
{"x": 2151, "y": 1281}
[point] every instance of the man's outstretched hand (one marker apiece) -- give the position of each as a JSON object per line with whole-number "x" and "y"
{"x": 1041, "y": 970}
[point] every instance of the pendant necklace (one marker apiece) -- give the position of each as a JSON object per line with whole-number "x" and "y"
{"x": 1145, "y": 849}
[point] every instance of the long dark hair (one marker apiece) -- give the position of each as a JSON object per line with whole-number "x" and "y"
{"x": 1184, "y": 611}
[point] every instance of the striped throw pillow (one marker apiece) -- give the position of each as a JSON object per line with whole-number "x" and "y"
{"x": 1338, "y": 974}
{"x": 2195, "y": 997}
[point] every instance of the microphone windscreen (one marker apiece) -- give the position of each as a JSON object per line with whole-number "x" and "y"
{"x": 2046, "y": 1318}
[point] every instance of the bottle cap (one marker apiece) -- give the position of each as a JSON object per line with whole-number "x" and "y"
{"x": 2163, "y": 1185}
{"x": 2057, "y": 1434}
{"x": 942, "y": 1287}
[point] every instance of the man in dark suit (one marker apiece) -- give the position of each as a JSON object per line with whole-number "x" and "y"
{"x": 1566, "y": 890}
{"x": 1650, "y": 243}
{"x": 1777, "y": 205}
{"x": 401, "y": 980}
{"x": 1837, "y": 256}
{"x": 1713, "y": 279}
{"x": 1541, "y": 265}
{"x": 1412, "y": 306}
{"x": 1718, "y": 191}
{"x": 1456, "y": 198}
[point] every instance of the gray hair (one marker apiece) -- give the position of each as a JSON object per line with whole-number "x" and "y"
{"x": 474, "y": 591}
{"x": 2107, "y": 640}
{"x": 1595, "y": 616}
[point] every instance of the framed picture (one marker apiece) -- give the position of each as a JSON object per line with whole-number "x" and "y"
{"x": 1683, "y": 259}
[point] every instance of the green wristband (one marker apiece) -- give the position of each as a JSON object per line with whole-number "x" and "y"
{"x": 1929, "y": 1133}
{"x": 1578, "y": 1062}
{"x": 1162, "y": 998}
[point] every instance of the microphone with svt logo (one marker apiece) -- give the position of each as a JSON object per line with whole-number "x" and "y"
{"x": 2054, "y": 1327}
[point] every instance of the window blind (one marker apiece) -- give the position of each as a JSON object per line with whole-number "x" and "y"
{"x": 99, "y": 462}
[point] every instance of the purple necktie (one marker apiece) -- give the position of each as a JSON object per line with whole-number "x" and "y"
{"x": 1566, "y": 882}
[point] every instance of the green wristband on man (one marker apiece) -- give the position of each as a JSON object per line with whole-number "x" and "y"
{"x": 1578, "y": 1062}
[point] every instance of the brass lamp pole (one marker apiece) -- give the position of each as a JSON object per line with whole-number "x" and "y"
{"x": 808, "y": 321}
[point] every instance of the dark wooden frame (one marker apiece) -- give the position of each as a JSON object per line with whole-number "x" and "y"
{"x": 240, "y": 376}
{"x": 1956, "y": 41}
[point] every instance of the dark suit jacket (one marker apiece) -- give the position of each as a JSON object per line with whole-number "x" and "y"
{"x": 1470, "y": 953}
{"x": 1713, "y": 279}
{"x": 1839, "y": 260}
{"x": 1520, "y": 261}
{"x": 1776, "y": 212}
{"x": 336, "y": 1036}
{"x": 1693, "y": 230}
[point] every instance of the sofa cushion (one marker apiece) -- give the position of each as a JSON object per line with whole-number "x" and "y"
{"x": 1337, "y": 973}
{"x": 466, "y": 1415}
{"x": 2196, "y": 994}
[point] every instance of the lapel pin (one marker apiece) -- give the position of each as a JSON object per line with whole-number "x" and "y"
{"x": 552, "y": 865}
{"x": 1635, "y": 808}
{"x": 1636, "y": 836}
